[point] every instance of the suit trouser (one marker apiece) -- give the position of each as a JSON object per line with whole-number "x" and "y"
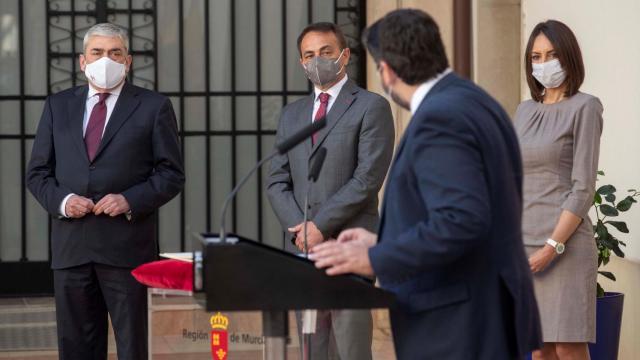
{"x": 84, "y": 296}
{"x": 340, "y": 334}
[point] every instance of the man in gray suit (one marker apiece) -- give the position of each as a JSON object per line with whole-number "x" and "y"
{"x": 359, "y": 141}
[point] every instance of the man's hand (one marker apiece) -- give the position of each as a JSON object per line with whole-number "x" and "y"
{"x": 78, "y": 206}
{"x": 348, "y": 255}
{"x": 358, "y": 234}
{"x": 540, "y": 259}
{"x": 112, "y": 205}
{"x": 314, "y": 236}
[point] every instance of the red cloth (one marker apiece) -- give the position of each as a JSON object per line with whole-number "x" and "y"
{"x": 165, "y": 274}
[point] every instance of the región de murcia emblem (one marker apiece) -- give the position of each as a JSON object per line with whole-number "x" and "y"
{"x": 219, "y": 337}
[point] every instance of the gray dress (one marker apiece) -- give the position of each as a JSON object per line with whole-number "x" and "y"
{"x": 560, "y": 145}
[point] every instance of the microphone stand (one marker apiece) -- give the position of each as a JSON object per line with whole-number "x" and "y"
{"x": 309, "y": 317}
{"x": 280, "y": 148}
{"x": 232, "y": 194}
{"x": 305, "y": 219}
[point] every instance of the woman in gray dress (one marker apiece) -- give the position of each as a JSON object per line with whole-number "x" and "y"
{"x": 559, "y": 132}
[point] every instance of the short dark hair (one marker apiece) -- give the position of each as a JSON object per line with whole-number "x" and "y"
{"x": 323, "y": 27}
{"x": 409, "y": 41}
{"x": 568, "y": 52}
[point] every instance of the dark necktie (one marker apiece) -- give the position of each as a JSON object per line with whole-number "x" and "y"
{"x": 95, "y": 127}
{"x": 322, "y": 111}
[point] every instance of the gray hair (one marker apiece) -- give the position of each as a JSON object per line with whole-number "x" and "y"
{"x": 107, "y": 29}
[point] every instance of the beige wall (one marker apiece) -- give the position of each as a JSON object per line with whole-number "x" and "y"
{"x": 607, "y": 33}
{"x": 496, "y": 49}
{"x": 440, "y": 10}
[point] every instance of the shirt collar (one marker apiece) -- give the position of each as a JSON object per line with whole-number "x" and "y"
{"x": 333, "y": 91}
{"x": 424, "y": 88}
{"x": 114, "y": 92}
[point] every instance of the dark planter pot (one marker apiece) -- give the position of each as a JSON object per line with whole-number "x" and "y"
{"x": 608, "y": 322}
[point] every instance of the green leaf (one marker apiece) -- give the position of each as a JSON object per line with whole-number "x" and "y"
{"x": 609, "y": 275}
{"x": 600, "y": 172}
{"x": 616, "y": 249}
{"x": 601, "y": 230}
{"x": 625, "y": 204}
{"x": 600, "y": 291}
{"x": 620, "y": 225}
{"x": 609, "y": 241}
{"x": 597, "y": 198}
{"x": 632, "y": 190}
{"x": 610, "y": 198}
{"x": 608, "y": 210}
{"x": 606, "y": 189}
{"x": 622, "y": 243}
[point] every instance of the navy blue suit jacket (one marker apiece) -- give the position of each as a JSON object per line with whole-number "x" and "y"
{"x": 139, "y": 157}
{"x": 450, "y": 243}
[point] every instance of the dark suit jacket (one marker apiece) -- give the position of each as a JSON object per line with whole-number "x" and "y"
{"x": 139, "y": 157}
{"x": 359, "y": 141}
{"x": 450, "y": 243}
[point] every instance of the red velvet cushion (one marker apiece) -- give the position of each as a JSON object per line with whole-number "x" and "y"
{"x": 165, "y": 274}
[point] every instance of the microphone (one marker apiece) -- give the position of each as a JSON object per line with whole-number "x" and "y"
{"x": 302, "y": 134}
{"x": 280, "y": 148}
{"x": 314, "y": 171}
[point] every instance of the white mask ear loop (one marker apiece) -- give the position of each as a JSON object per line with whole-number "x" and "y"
{"x": 338, "y": 59}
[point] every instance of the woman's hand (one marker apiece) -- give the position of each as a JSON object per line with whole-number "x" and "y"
{"x": 540, "y": 259}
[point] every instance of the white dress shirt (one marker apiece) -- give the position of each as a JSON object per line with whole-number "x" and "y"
{"x": 424, "y": 88}
{"x": 333, "y": 92}
{"x": 92, "y": 100}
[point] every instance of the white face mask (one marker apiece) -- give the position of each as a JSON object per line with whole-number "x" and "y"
{"x": 105, "y": 73}
{"x": 388, "y": 91}
{"x": 549, "y": 74}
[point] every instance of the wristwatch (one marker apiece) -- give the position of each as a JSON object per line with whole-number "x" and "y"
{"x": 556, "y": 245}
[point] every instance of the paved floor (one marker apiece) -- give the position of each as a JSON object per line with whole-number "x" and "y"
{"x": 179, "y": 330}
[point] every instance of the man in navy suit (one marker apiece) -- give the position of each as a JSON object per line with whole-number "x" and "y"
{"x": 449, "y": 243}
{"x": 106, "y": 156}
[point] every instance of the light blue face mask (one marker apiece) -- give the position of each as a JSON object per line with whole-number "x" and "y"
{"x": 322, "y": 71}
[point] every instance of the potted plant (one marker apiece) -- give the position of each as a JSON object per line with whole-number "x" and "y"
{"x": 608, "y": 206}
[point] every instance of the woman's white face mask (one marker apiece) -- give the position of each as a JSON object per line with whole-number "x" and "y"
{"x": 550, "y": 74}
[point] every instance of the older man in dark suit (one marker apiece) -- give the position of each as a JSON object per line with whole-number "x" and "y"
{"x": 106, "y": 156}
{"x": 449, "y": 243}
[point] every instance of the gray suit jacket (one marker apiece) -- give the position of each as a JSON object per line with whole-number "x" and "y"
{"x": 359, "y": 140}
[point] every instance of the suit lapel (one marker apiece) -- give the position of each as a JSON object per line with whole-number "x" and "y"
{"x": 76, "y": 110}
{"x": 340, "y": 106}
{"x": 126, "y": 104}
